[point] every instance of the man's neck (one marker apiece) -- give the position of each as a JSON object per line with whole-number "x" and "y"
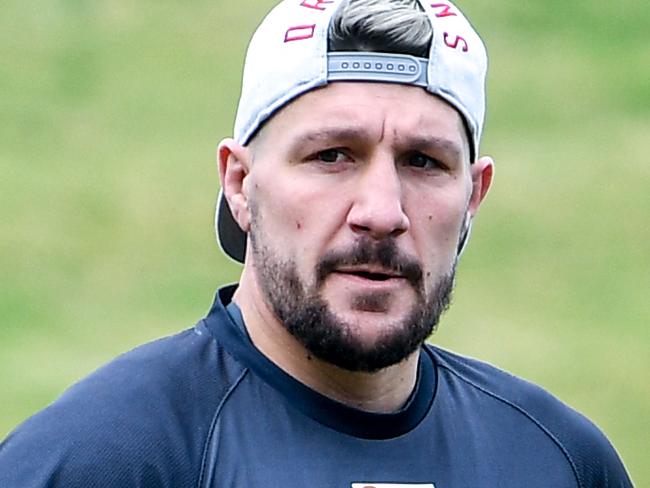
{"x": 383, "y": 391}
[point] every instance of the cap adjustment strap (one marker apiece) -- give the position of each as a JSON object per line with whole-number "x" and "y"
{"x": 378, "y": 67}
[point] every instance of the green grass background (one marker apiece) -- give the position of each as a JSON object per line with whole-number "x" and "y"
{"x": 110, "y": 113}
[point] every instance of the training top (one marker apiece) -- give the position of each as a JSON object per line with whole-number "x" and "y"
{"x": 205, "y": 408}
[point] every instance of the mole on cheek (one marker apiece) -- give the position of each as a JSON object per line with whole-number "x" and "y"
{"x": 430, "y": 217}
{"x": 298, "y": 225}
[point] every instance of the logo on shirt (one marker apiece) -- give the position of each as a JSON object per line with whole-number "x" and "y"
{"x": 392, "y": 485}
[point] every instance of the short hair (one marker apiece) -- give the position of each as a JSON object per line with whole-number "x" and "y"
{"x": 391, "y": 26}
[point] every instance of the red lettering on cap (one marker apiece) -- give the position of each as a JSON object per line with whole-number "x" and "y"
{"x": 299, "y": 33}
{"x": 446, "y": 10}
{"x": 456, "y": 42}
{"x": 316, "y": 4}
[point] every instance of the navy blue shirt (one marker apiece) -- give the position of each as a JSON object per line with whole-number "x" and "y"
{"x": 205, "y": 408}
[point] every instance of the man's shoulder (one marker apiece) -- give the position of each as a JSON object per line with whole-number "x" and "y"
{"x": 178, "y": 368}
{"x": 586, "y": 448}
{"x": 175, "y": 365}
{"x": 481, "y": 376}
{"x": 148, "y": 412}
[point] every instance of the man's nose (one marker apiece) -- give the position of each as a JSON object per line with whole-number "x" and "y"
{"x": 378, "y": 207}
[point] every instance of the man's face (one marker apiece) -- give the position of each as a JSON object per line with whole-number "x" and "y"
{"x": 357, "y": 194}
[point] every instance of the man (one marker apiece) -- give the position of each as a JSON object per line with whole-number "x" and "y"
{"x": 348, "y": 195}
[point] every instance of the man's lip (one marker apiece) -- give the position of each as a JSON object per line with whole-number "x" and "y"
{"x": 368, "y": 280}
{"x": 368, "y": 270}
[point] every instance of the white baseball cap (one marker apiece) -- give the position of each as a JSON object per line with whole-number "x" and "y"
{"x": 288, "y": 57}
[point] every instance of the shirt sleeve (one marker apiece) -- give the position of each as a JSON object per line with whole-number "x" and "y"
{"x": 136, "y": 422}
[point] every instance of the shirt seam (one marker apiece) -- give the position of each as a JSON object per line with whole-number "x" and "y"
{"x": 528, "y": 415}
{"x": 213, "y": 423}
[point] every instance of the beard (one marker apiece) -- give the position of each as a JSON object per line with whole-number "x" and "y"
{"x": 307, "y": 316}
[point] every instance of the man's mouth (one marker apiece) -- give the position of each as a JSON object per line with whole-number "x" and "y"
{"x": 370, "y": 274}
{"x": 369, "y": 263}
{"x": 373, "y": 276}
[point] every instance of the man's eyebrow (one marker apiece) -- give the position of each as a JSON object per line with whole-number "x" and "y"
{"x": 328, "y": 136}
{"x": 426, "y": 143}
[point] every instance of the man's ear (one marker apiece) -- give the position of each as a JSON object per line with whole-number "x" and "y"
{"x": 482, "y": 172}
{"x": 234, "y": 166}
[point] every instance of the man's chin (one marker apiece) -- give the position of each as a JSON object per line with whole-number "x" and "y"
{"x": 388, "y": 305}
{"x": 354, "y": 340}
{"x": 370, "y": 325}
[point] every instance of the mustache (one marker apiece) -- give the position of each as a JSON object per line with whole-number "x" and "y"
{"x": 366, "y": 251}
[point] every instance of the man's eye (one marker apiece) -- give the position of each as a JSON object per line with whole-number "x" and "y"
{"x": 329, "y": 155}
{"x": 419, "y": 160}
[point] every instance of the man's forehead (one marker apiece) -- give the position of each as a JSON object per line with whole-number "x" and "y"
{"x": 347, "y": 111}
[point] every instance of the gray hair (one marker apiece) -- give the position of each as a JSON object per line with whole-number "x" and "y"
{"x": 393, "y": 26}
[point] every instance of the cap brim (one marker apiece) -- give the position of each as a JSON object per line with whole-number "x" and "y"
{"x": 230, "y": 236}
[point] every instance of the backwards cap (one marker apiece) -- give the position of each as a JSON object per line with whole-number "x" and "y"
{"x": 288, "y": 57}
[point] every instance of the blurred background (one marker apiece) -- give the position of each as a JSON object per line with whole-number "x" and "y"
{"x": 110, "y": 113}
